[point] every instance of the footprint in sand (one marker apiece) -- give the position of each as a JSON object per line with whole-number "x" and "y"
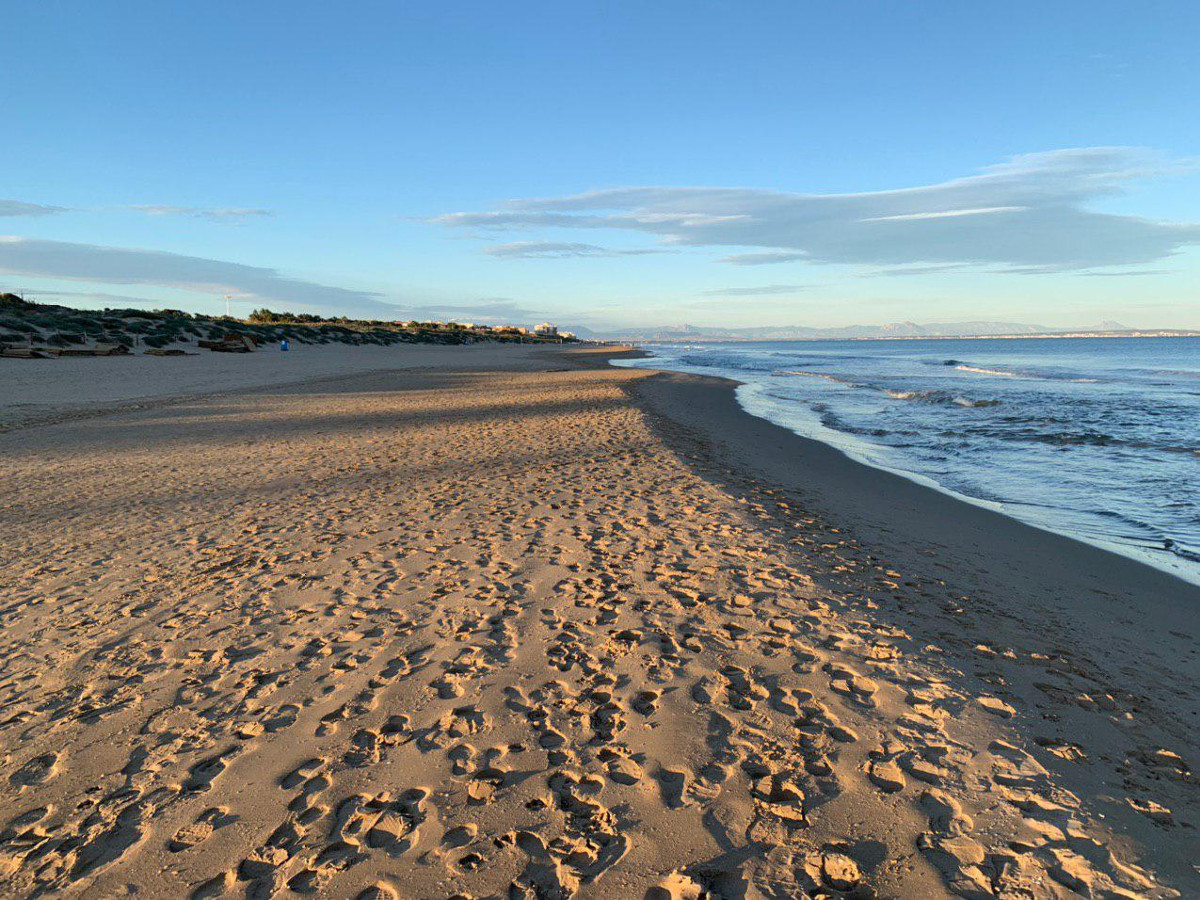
{"x": 674, "y": 784}
{"x": 675, "y": 886}
{"x": 622, "y": 769}
{"x": 36, "y": 771}
{"x": 460, "y": 836}
{"x": 462, "y": 759}
{"x": 301, "y": 773}
{"x": 886, "y": 775}
{"x": 202, "y": 775}
{"x": 213, "y": 888}
{"x": 996, "y": 707}
{"x": 830, "y": 869}
{"x": 201, "y": 830}
{"x": 646, "y": 702}
{"x": 284, "y": 717}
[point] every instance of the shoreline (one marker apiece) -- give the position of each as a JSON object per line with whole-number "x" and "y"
{"x": 1129, "y": 629}
{"x": 536, "y": 623}
{"x": 1082, "y": 335}
{"x": 850, "y": 491}
{"x": 870, "y": 501}
{"x": 1159, "y": 559}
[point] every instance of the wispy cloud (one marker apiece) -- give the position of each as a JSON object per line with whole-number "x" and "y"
{"x": 17, "y": 208}
{"x": 557, "y": 250}
{"x": 1030, "y": 214}
{"x": 770, "y": 257}
{"x": 899, "y": 271}
{"x": 947, "y": 214}
{"x": 218, "y": 214}
{"x": 761, "y": 291}
{"x": 117, "y": 265}
{"x": 1134, "y": 273}
{"x": 115, "y": 301}
{"x": 494, "y": 311}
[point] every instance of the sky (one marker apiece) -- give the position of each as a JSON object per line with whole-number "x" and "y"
{"x": 607, "y": 165}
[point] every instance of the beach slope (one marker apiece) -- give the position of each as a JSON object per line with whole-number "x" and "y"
{"x": 541, "y": 627}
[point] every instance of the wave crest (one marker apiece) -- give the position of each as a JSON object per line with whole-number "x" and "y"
{"x": 942, "y": 397}
{"x": 1018, "y": 373}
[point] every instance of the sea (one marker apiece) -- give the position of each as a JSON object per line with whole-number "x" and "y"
{"x": 1095, "y": 438}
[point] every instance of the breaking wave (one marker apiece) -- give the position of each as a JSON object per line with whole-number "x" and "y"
{"x": 943, "y": 397}
{"x": 1019, "y": 373}
{"x": 822, "y": 375}
{"x": 982, "y": 371}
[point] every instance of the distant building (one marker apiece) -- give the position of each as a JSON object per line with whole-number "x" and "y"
{"x": 546, "y": 330}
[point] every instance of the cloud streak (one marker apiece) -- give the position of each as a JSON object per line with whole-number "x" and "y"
{"x": 486, "y": 311}
{"x": 17, "y": 208}
{"x": 1029, "y": 214}
{"x": 116, "y": 265}
{"x": 763, "y": 291}
{"x": 769, "y": 258}
{"x": 114, "y": 301}
{"x": 219, "y": 214}
{"x": 558, "y": 250}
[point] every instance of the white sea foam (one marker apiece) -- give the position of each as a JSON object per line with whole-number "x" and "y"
{"x": 820, "y": 375}
{"x": 1007, "y": 373}
{"x": 982, "y": 371}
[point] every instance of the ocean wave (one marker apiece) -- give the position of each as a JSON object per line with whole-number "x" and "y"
{"x": 1074, "y": 438}
{"x": 829, "y": 420}
{"x": 947, "y": 398}
{"x": 1173, "y": 547}
{"x": 1020, "y": 373}
{"x": 982, "y": 371}
{"x": 941, "y": 397}
{"x": 1044, "y": 431}
{"x": 823, "y": 376}
{"x": 1063, "y": 438}
{"x": 1166, "y": 448}
{"x": 1181, "y": 373}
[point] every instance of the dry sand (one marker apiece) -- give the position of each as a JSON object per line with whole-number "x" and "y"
{"x": 546, "y": 628}
{"x": 48, "y": 390}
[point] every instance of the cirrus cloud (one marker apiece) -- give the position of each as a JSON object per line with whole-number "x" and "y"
{"x": 1029, "y": 214}
{"x": 558, "y": 250}
{"x": 117, "y": 265}
{"x": 763, "y": 291}
{"x": 769, "y": 258}
{"x": 18, "y": 208}
{"x": 219, "y": 214}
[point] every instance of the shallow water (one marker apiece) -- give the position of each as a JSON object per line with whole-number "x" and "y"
{"x": 1095, "y": 438}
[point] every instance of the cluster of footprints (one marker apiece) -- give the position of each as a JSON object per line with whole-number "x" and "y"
{"x": 484, "y": 659}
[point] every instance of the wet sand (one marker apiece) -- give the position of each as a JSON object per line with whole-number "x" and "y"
{"x": 541, "y": 627}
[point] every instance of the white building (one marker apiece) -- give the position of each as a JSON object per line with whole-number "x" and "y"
{"x": 546, "y": 330}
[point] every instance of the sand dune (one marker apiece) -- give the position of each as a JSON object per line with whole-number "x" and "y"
{"x": 512, "y": 633}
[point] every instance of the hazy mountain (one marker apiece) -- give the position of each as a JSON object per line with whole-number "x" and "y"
{"x": 890, "y": 330}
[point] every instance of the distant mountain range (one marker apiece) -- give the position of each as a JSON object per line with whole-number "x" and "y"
{"x": 891, "y": 330}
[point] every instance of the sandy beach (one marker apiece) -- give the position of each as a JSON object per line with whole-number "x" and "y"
{"x": 44, "y": 391}
{"x": 500, "y": 621}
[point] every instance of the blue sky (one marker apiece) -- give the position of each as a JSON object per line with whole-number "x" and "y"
{"x": 608, "y": 163}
